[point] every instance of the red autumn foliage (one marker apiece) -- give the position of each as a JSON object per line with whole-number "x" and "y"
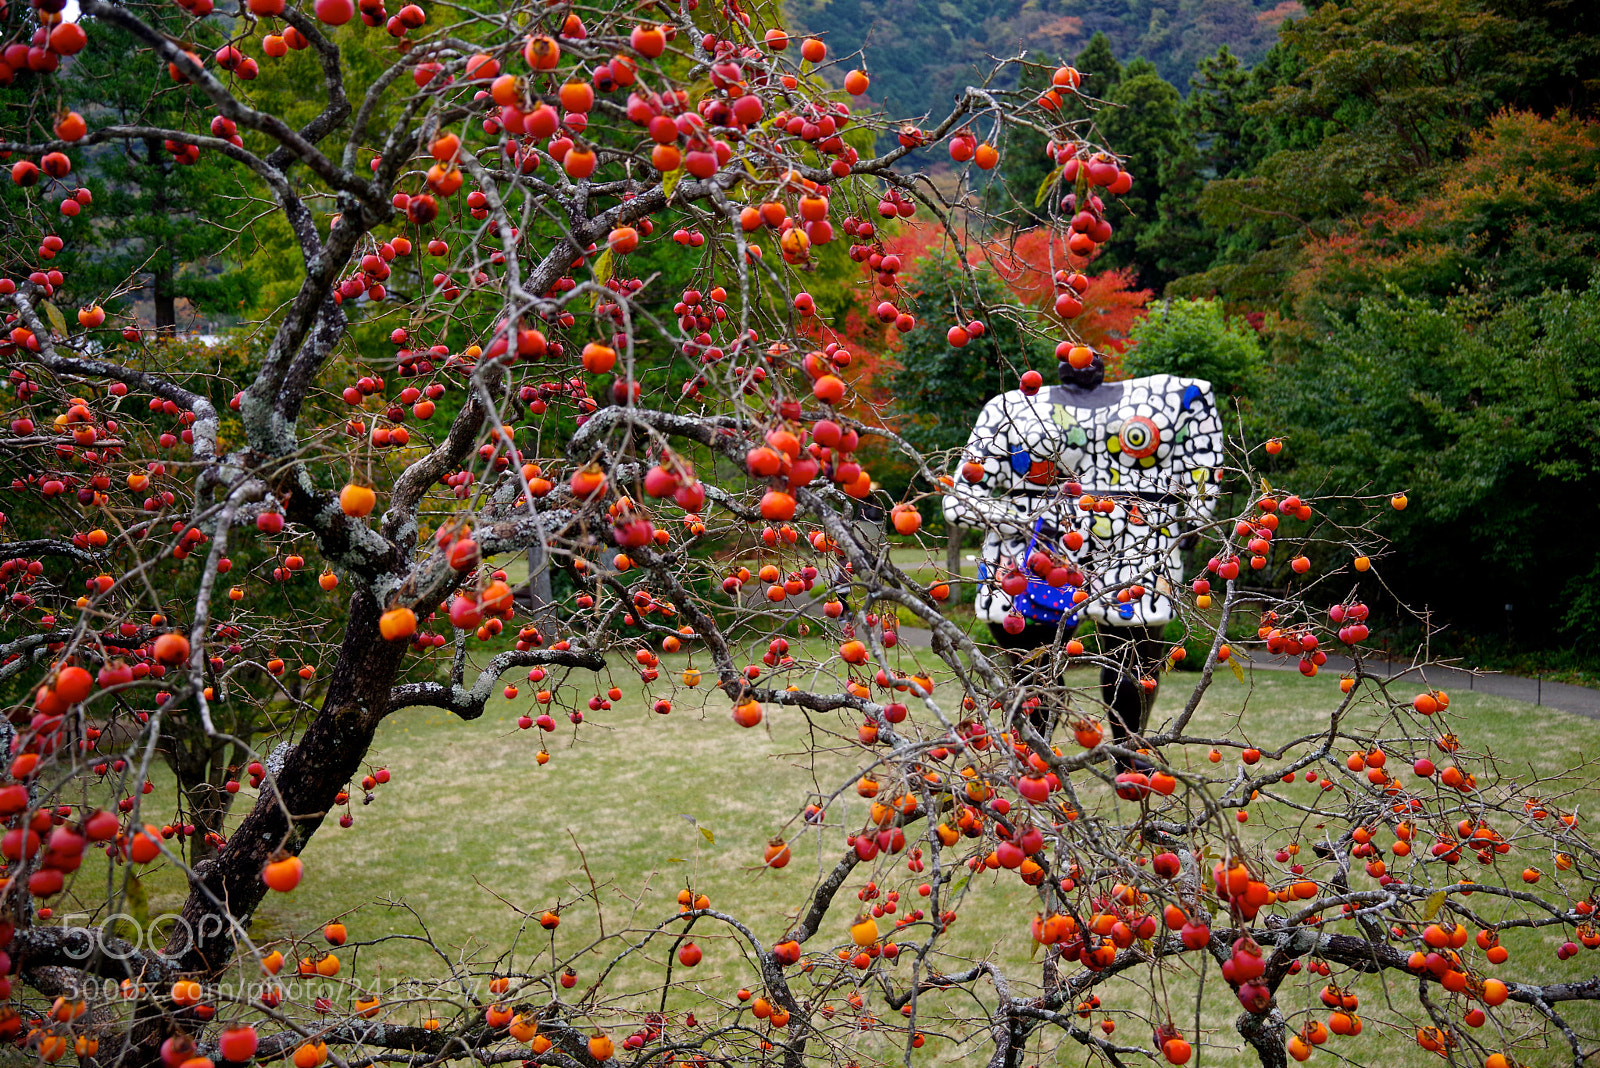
{"x": 1026, "y": 262}
{"x": 1110, "y": 304}
{"x": 871, "y": 346}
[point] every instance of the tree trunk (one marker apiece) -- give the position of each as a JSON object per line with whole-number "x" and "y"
{"x": 206, "y": 809}
{"x": 537, "y": 596}
{"x": 200, "y": 765}
{"x": 208, "y": 802}
{"x": 166, "y": 304}
{"x": 1264, "y": 1034}
{"x": 161, "y": 270}
{"x": 327, "y": 757}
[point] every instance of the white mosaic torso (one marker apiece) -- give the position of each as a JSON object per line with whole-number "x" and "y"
{"x": 1150, "y": 444}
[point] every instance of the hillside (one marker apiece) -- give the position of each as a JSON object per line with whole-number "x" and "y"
{"x": 921, "y": 51}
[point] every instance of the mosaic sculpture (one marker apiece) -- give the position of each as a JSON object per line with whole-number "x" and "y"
{"x": 1084, "y": 491}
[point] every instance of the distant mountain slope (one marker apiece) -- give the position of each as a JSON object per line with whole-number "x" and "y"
{"x": 920, "y": 52}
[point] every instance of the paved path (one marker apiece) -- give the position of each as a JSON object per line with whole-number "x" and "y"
{"x": 1564, "y": 697}
{"x": 1579, "y": 700}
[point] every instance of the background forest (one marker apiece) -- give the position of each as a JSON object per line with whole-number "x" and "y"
{"x": 1374, "y": 224}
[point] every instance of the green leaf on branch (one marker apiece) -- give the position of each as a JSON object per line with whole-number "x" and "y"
{"x": 602, "y": 274}
{"x": 57, "y": 320}
{"x": 669, "y": 182}
{"x": 1045, "y": 186}
{"x": 698, "y": 90}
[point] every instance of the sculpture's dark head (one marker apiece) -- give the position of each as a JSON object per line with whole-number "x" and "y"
{"x": 1088, "y": 377}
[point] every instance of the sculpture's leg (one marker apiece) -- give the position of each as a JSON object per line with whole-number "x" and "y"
{"x": 1040, "y": 673}
{"x": 1137, "y": 653}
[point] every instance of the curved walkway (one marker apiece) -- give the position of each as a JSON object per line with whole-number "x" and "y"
{"x": 1564, "y": 697}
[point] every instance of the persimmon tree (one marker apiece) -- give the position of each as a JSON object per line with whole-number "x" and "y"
{"x": 477, "y": 203}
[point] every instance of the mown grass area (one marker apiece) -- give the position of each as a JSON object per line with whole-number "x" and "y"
{"x": 477, "y": 839}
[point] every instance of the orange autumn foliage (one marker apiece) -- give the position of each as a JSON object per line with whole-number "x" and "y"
{"x": 1517, "y": 211}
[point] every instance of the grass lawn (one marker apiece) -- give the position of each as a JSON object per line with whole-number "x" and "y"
{"x": 476, "y": 839}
